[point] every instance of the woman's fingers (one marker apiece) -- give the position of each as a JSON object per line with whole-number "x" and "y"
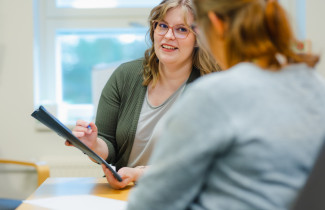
{"x": 78, "y": 134}
{"x": 81, "y": 123}
{"x": 113, "y": 181}
{"x": 93, "y": 127}
{"x": 84, "y": 127}
{"x": 80, "y": 129}
{"x": 67, "y": 143}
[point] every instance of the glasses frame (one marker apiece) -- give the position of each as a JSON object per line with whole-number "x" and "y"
{"x": 195, "y": 28}
{"x": 172, "y": 27}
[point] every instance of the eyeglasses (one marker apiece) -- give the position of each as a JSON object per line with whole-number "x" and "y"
{"x": 195, "y": 28}
{"x": 179, "y": 31}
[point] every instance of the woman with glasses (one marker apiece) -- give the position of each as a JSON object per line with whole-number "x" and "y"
{"x": 139, "y": 93}
{"x": 247, "y": 137}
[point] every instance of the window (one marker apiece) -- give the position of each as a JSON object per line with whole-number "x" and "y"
{"x": 75, "y": 38}
{"x": 297, "y": 15}
{"x": 104, "y": 3}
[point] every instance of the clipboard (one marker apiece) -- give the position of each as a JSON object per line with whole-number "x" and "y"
{"x": 42, "y": 115}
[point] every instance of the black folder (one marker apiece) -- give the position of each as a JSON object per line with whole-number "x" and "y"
{"x": 42, "y": 115}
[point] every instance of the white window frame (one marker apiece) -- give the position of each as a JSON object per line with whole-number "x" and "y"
{"x": 49, "y": 19}
{"x": 297, "y": 14}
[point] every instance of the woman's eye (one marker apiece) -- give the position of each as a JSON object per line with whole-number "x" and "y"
{"x": 163, "y": 25}
{"x": 182, "y": 29}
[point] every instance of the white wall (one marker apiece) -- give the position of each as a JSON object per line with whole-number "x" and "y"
{"x": 315, "y": 30}
{"x": 19, "y": 139}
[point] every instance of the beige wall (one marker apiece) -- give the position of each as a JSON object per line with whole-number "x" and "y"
{"x": 315, "y": 30}
{"x": 19, "y": 139}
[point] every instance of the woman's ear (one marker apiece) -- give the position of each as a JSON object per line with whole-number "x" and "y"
{"x": 218, "y": 25}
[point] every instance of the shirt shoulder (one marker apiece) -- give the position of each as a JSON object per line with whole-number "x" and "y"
{"x": 231, "y": 80}
{"x": 131, "y": 68}
{"x": 128, "y": 74}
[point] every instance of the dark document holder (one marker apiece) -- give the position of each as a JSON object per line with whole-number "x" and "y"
{"x": 42, "y": 115}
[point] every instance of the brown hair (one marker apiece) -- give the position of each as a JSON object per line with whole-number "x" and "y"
{"x": 255, "y": 28}
{"x": 202, "y": 59}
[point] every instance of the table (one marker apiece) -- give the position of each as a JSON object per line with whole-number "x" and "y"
{"x": 75, "y": 186}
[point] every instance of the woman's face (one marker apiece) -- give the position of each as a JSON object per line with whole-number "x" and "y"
{"x": 169, "y": 49}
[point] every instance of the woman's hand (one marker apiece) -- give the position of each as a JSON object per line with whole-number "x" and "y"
{"x": 88, "y": 135}
{"x": 127, "y": 174}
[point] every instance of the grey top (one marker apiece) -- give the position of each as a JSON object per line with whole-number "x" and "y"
{"x": 146, "y": 130}
{"x": 245, "y": 138}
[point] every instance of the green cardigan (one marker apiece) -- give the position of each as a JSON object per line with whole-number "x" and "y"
{"x": 119, "y": 109}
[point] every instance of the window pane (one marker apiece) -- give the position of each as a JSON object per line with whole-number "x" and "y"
{"x": 79, "y": 52}
{"x": 105, "y": 3}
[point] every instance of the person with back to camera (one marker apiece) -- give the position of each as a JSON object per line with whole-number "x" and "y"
{"x": 140, "y": 92}
{"x": 251, "y": 133}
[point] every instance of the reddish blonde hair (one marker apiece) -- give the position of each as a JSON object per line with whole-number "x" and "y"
{"x": 255, "y": 29}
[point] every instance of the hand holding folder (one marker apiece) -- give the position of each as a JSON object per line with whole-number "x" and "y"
{"x": 42, "y": 115}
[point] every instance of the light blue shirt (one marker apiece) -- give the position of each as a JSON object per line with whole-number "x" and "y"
{"x": 245, "y": 138}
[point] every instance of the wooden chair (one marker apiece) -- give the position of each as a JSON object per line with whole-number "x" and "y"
{"x": 43, "y": 172}
{"x": 42, "y": 169}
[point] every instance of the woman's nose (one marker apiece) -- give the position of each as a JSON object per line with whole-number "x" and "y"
{"x": 170, "y": 34}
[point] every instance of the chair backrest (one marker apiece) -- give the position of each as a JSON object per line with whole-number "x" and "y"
{"x": 312, "y": 194}
{"x": 99, "y": 77}
{"x": 18, "y": 179}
